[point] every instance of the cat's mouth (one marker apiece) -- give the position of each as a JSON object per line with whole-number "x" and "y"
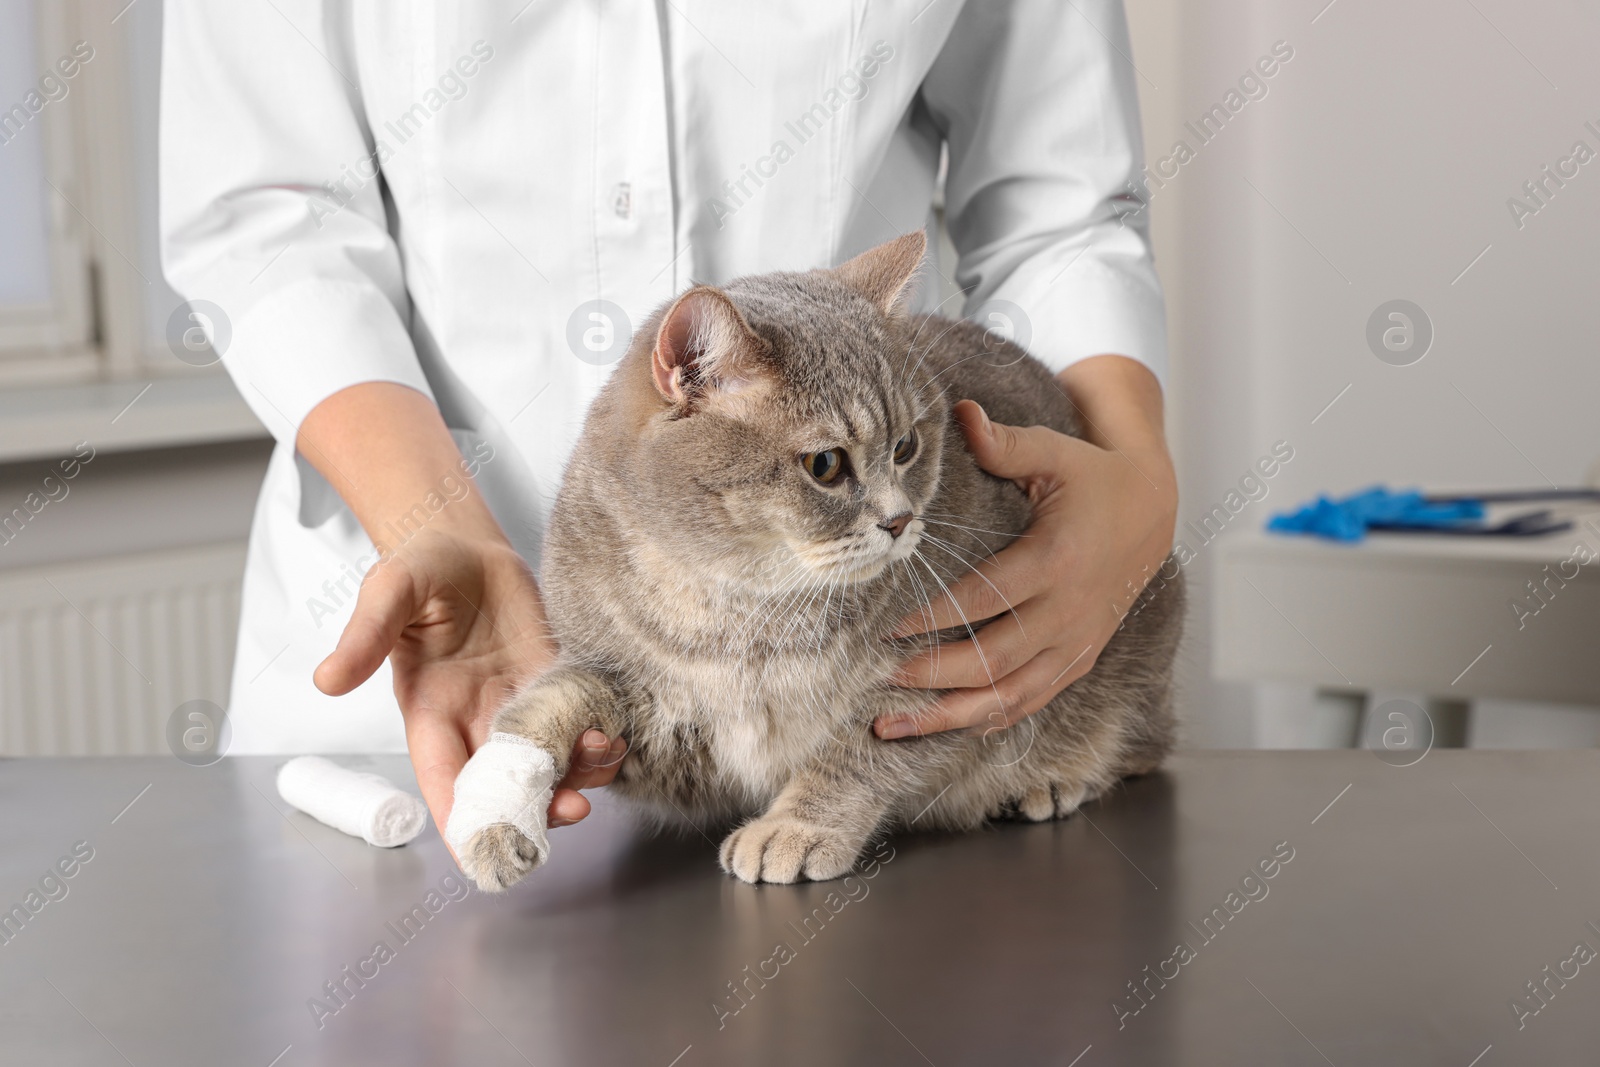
{"x": 861, "y": 557}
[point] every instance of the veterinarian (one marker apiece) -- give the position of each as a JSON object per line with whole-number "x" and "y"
{"x": 421, "y": 235}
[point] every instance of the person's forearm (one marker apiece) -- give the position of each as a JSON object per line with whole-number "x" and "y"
{"x": 1120, "y": 401}
{"x": 385, "y": 449}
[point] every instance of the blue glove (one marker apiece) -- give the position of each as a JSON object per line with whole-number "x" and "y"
{"x": 1350, "y": 518}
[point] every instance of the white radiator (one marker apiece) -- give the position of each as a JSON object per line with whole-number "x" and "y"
{"x": 95, "y": 656}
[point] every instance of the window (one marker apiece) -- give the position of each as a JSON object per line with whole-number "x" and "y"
{"x": 81, "y": 291}
{"x": 46, "y": 318}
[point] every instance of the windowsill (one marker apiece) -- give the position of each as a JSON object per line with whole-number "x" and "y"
{"x": 41, "y": 422}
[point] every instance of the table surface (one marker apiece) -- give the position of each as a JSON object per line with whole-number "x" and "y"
{"x": 1418, "y": 902}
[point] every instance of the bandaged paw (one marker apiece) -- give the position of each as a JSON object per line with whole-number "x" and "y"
{"x": 497, "y": 822}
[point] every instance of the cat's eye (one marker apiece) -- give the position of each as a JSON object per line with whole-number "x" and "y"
{"x": 905, "y": 448}
{"x": 825, "y": 467}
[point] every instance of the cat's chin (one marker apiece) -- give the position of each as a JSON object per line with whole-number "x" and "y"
{"x": 859, "y": 572}
{"x": 852, "y": 570}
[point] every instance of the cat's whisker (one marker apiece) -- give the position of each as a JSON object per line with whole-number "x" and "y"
{"x": 792, "y": 581}
{"x": 768, "y": 564}
{"x": 954, "y": 550}
{"x": 926, "y": 610}
{"x": 813, "y": 588}
{"x": 775, "y": 597}
{"x": 758, "y": 619}
{"x": 982, "y": 553}
{"x": 959, "y": 294}
{"x": 919, "y": 597}
{"x": 821, "y": 621}
{"x": 756, "y": 613}
{"x": 952, "y": 367}
{"x": 971, "y": 529}
{"x": 825, "y": 623}
{"x": 983, "y": 660}
{"x": 934, "y": 344}
{"x": 916, "y": 337}
{"x": 935, "y": 646}
{"x": 894, "y": 583}
{"x": 969, "y": 559}
{"x": 797, "y": 612}
{"x": 944, "y": 391}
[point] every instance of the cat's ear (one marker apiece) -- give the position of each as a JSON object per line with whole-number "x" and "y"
{"x": 703, "y": 347}
{"x": 884, "y": 274}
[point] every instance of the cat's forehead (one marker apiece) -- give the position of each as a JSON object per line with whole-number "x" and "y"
{"x": 844, "y": 371}
{"x": 857, "y": 419}
{"x": 861, "y": 405}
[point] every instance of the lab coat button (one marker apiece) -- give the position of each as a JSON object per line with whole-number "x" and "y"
{"x": 622, "y": 200}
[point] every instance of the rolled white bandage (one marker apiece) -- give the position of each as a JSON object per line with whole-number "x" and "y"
{"x": 368, "y": 806}
{"x": 508, "y": 780}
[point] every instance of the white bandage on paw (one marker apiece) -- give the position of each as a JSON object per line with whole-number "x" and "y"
{"x": 508, "y": 780}
{"x": 368, "y": 806}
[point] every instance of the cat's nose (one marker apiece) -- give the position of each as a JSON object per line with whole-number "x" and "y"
{"x": 897, "y": 525}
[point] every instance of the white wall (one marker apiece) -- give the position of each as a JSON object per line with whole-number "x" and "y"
{"x": 1377, "y": 166}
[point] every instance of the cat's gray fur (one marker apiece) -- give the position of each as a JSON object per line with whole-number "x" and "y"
{"x": 731, "y": 617}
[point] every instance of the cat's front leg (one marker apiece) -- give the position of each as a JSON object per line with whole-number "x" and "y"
{"x": 823, "y": 818}
{"x": 498, "y": 820}
{"x": 815, "y": 829}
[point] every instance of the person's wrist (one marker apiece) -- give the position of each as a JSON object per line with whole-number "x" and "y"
{"x": 1148, "y": 451}
{"x": 385, "y": 449}
{"x": 464, "y": 521}
{"x": 1120, "y": 405}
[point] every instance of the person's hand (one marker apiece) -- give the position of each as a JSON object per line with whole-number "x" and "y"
{"x": 1101, "y": 520}
{"x": 460, "y": 619}
{"x": 453, "y": 607}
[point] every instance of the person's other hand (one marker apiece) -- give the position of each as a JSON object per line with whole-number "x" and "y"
{"x": 1101, "y": 520}
{"x": 460, "y": 618}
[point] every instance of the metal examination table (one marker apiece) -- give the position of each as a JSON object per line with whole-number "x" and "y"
{"x": 1421, "y": 903}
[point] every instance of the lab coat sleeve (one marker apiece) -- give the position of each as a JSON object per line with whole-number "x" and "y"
{"x": 1040, "y": 115}
{"x": 264, "y": 209}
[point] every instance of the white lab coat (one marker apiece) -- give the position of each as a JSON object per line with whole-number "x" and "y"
{"x": 537, "y": 157}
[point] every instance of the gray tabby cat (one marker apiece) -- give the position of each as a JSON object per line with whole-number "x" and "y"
{"x": 770, "y": 481}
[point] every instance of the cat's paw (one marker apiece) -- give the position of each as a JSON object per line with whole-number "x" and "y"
{"x": 781, "y": 848}
{"x": 499, "y": 856}
{"x": 1041, "y": 804}
{"x": 497, "y": 823}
